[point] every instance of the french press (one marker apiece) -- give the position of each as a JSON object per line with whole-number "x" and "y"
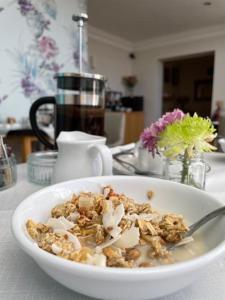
{"x": 79, "y": 103}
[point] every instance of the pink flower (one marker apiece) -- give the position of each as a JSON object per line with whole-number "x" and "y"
{"x": 150, "y": 135}
{"x": 48, "y": 47}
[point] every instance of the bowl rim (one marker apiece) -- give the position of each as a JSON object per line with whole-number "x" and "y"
{"x": 31, "y": 248}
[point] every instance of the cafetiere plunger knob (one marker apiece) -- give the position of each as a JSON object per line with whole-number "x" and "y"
{"x": 80, "y": 18}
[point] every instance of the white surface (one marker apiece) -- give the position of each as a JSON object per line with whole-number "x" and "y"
{"x": 124, "y": 284}
{"x": 21, "y": 278}
{"x": 111, "y": 61}
{"x": 148, "y": 68}
{"x": 81, "y": 155}
{"x": 146, "y": 19}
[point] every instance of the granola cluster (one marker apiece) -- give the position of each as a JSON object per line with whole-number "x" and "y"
{"x": 108, "y": 229}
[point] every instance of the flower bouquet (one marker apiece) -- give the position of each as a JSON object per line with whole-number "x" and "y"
{"x": 129, "y": 82}
{"x": 181, "y": 139}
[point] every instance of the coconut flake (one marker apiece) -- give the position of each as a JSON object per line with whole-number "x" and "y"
{"x": 115, "y": 231}
{"x": 72, "y": 238}
{"x": 112, "y": 217}
{"x": 144, "y": 217}
{"x": 185, "y": 241}
{"x": 106, "y": 191}
{"x": 108, "y": 206}
{"x": 108, "y": 220}
{"x": 107, "y": 243}
{"x": 60, "y": 223}
{"x": 73, "y": 216}
{"x": 56, "y": 249}
{"x": 129, "y": 238}
{"x": 118, "y": 214}
{"x": 97, "y": 260}
{"x": 86, "y": 202}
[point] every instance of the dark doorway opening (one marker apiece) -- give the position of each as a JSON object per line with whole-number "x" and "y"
{"x": 188, "y": 84}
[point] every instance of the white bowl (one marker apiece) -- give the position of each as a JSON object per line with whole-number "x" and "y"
{"x": 118, "y": 283}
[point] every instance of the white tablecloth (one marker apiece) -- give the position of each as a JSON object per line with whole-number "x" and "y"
{"x": 22, "y": 279}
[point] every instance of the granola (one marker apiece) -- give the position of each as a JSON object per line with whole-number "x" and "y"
{"x": 108, "y": 229}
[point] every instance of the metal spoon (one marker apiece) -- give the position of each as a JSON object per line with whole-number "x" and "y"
{"x": 215, "y": 213}
{"x": 136, "y": 170}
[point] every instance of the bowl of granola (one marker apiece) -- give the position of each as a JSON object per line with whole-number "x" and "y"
{"x": 107, "y": 237}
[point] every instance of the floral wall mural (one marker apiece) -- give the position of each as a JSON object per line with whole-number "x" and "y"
{"x": 41, "y": 41}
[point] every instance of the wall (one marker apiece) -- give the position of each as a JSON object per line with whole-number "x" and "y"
{"x": 110, "y": 60}
{"x": 148, "y": 65}
{"x": 38, "y": 39}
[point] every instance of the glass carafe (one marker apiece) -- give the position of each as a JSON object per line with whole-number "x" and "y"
{"x": 79, "y": 106}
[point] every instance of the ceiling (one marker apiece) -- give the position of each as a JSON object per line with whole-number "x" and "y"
{"x": 138, "y": 20}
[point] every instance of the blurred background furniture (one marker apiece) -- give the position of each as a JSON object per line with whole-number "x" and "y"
{"x": 114, "y": 128}
{"x": 134, "y": 125}
{"x": 23, "y": 142}
{"x": 123, "y": 127}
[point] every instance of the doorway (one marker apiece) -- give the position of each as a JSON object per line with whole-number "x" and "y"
{"x": 188, "y": 84}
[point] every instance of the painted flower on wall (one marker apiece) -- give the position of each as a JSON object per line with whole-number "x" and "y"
{"x": 36, "y": 20}
{"x": 36, "y": 59}
{"x": 74, "y": 48}
{"x": 48, "y": 47}
{"x": 38, "y": 63}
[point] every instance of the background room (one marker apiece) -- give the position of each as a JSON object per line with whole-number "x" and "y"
{"x": 152, "y": 60}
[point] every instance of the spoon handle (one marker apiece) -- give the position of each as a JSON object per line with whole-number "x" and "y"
{"x": 205, "y": 219}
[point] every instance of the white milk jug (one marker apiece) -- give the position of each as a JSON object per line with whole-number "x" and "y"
{"x": 81, "y": 155}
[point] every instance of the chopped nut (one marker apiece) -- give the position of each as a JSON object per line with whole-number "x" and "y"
{"x": 132, "y": 254}
{"x": 150, "y": 194}
{"x": 119, "y": 263}
{"x": 145, "y": 264}
{"x": 112, "y": 252}
{"x": 172, "y": 227}
{"x": 63, "y": 209}
{"x": 144, "y": 208}
{"x": 146, "y": 227}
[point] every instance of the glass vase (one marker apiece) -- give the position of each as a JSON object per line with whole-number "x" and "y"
{"x": 187, "y": 171}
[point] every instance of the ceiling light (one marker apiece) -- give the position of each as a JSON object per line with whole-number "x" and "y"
{"x": 207, "y": 3}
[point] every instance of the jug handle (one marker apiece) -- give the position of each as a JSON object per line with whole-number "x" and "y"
{"x": 106, "y": 157}
{"x": 33, "y": 121}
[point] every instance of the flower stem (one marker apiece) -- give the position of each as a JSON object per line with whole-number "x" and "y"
{"x": 185, "y": 168}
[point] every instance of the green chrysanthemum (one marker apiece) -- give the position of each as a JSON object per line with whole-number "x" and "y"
{"x": 189, "y": 135}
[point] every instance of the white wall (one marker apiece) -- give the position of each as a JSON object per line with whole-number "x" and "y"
{"x": 110, "y": 57}
{"x": 148, "y": 67}
{"x": 111, "y": 61}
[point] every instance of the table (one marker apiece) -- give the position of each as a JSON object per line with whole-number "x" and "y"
{"x": 16, "y": 134}
{"x": 22, "y": 279}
